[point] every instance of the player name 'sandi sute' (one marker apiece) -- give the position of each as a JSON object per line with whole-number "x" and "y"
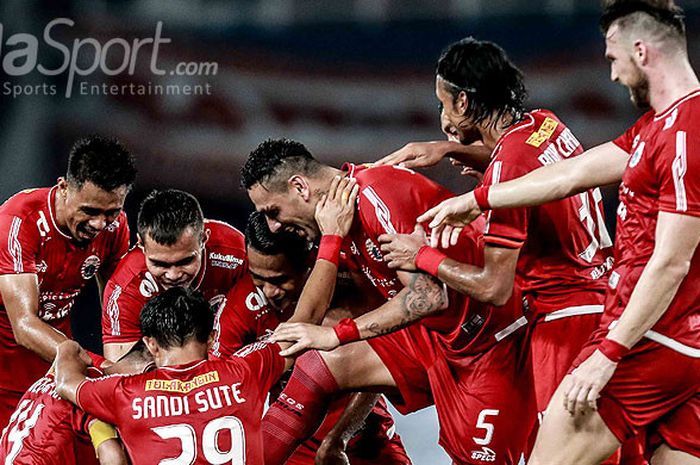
{"x": 162, "y": 405}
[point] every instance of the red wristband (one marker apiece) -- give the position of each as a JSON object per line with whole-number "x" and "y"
{"x": 613, "y": 350}
{"x": 481, "y": 195}
{"x": 329, "y": 248}
{"x": 347, "y": 331}
{"x": 429, "y": 259}
{"x": 97, "y": 360}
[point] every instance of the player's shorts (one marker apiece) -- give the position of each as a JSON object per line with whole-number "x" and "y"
{"x": 562, "y": 326}
{"x": 653, "y": 388}
{"x": 485, "y": 403}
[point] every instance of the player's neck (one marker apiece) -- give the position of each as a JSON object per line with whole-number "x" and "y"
{"x": 189, "y": 353}
{"x": 491, "y": 132}
{"x": 670, "y": 84}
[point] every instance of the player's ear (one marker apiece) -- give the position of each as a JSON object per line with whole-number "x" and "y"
{"x": 152, "y": 346}
{"x": 206, "y": 234}
{"x": 641, "y": 53}
{"x": 300, "y": 185}
{"x": 62, "y": 185}
{"x": 462, "y": 103}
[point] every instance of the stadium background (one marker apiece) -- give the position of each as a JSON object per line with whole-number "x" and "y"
{"x": 353, "y": 80}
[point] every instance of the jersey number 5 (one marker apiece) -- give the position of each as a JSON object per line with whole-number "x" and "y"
{"x": 188, "y": 439}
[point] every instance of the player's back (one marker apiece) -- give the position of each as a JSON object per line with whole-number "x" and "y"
{"x": 43, "y": 428}
{"x": 561, "y": 241}
{"x": 198, "y": 413}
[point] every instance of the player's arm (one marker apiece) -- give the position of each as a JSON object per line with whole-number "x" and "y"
{"x": 598, "y": 166}
{"x": 334, "y": 215}
{"x": 423, "y": 154}
{"x": 332, "y": 448}
{"x": 676, "y": 239}
{"x": 71, "y": 370}
{"x": 111, "y": 452}
{"x": 20, "y": 295}
{"x": 492, "y": 284}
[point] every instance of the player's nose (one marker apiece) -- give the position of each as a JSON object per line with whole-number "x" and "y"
{"x": 98, "y": 223}
{"x": 271, "y": 292}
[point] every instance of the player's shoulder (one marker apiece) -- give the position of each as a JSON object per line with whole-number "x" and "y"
{"x": 376, "y": 176}
{"x": 131, "y": 271}
{"x": 223, "y": 234}
{"x": 26, "y": 203}
{"x": 683, "y": 115}
{"x": 532, "y": 132}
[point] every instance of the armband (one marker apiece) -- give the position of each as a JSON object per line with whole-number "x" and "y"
{"x": 101, "y": 432}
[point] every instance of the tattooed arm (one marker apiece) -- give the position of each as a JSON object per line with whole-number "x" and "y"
{"x": 421, "y": 296}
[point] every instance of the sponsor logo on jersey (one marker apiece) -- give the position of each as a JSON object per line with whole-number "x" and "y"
{"x": 148, "y": 285}
{"x": 113, "y": 227}
{"x": 353, "y": 248}
{"x": 637, "y": 155}
{"x": 176, "y": 385}
{"x": 543, "y": 133}
{"x": 484, "y": 455}
{"x": 90, "y": 267}
{"x": 373, "y": 250}
{"x": 614, "y": 279}
{"x": 230, "y": 262}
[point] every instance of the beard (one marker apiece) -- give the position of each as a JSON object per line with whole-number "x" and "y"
{"x": 639, "y": 92}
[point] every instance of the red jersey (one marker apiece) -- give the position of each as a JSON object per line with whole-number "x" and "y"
{"x": 663, "y": 174}
{"x": 33, "y": 243}
{"x": 43, "y": 428}
{"x": 224, "y": 269}
{"x": 199, "y": 413}
{"x": 564, "y": 250}
{"x": 466, "y": 326}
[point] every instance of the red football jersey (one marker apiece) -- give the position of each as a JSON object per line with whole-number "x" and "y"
{"x": 199, "y": 413}
{"x": 43, "y": 428}
{"x": 466, "y": 326}
{"x": 32, "y": 243}
{"x": 561, "y": 242}
{"x": 663, "y": 174}
{"x": 224, "y": 269}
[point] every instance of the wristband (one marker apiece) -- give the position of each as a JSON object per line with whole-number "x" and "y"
{"x": 97, "y": 360}
{"x": 347, "y": 331}
{"x": 429, "y": 259}
{"x": 481, "y": 195}
{"x": 613, "y": 350}
{"x": 329, "y": 248}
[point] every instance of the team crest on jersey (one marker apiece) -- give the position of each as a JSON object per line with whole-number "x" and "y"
{"x": 671, "y": 119}
{"x": 148, "y": 286}
{"x": 484, "y": 455}
{"x": 637, "y": 155}
{"x": 90, "y": 266}
{"x": 373, "y": 250}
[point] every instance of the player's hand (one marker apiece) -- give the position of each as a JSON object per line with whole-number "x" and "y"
{"x": 466, "y": 170}
{"x": 584, "y": 384}
{"x": 305, "y": 336}
{"x": 416, "y": 155}
{"x": 331, "y": 452}
{"x": 448, "y": 218}
{"x": 336, "y": 209}
{"x": 400, "y": 250}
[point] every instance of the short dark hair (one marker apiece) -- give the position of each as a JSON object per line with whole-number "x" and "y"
{"x": 275, "y": 157}
{"x": 103, "y": 161}
{"x": 664, "y": 13}
{"x": 259, "y": 237}
{"x": 492, "y": 82}
{"x": 176, "y": 316}
{"x": 165, "y": 214}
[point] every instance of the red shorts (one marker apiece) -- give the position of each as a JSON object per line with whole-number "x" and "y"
{"x": 653, "y": 388}
{"x": 485, "y": 403}
{"x": 562, "y": 327}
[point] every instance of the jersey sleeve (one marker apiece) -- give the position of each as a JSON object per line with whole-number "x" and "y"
{"x": 264, "y": 363}
{"x": 19, "y": 244}
{"x": 506, "y": 227}
{"x": 678, "y": 171}
{"x": 240, "y": 319}
{"x": 121, "y": 307}
{"x": 99, "y": 397}
{"x": 120, "y": 246}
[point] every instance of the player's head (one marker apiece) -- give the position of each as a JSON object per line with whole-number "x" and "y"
{"x": 450, "y": 130}
{"x": 278, "y": 262}
{"x": 281, "y": 177}
{"x": 640, "y": 36}
{"x": 171, "y": 231}
{"x": 478, "y": 87}
{"x": 178, "y": 319}
{"x": 137, "y": 360}
{"x": 92, "y": 193}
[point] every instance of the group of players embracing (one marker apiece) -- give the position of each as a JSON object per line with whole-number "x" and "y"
{"x": 509, "y": 308}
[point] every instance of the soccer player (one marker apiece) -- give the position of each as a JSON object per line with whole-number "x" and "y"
{"x": 45, "y": 429}
{"x": 177, "y": 247}
{"x": 421, "y": 348}
{"x": 53, "y": 241}
{"x": 355, "y": 430}
{"x": 555, "y": 250}
{"x": 641, "y": 368}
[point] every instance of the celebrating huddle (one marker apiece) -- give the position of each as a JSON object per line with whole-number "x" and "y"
{"x": 536, "y": 336}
